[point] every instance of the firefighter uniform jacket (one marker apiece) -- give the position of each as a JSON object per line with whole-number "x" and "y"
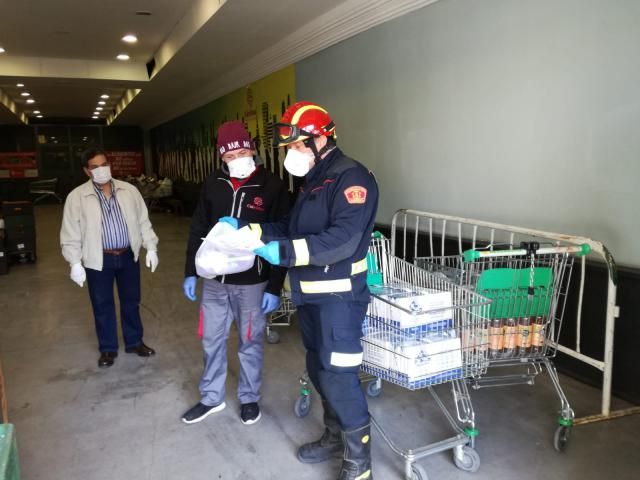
{"x": 325, "y": 238}
{"x": 263, "y": 197}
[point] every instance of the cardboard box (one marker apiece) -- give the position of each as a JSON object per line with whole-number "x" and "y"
{"x": 426, "y": 307}
{"x": 432, "y": 355}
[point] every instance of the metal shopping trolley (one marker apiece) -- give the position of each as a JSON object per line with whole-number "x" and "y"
{"x": 423, "y": 330}
{"x": 280, "y": 317}
{"x": 528, "y": 288}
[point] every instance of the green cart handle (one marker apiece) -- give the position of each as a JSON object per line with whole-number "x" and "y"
{"x": 473, "y": 255}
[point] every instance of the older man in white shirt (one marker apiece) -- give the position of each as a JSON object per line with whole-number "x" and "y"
{"x": 104, "y": 225}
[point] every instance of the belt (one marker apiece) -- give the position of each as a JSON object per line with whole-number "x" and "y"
{"x": 117, "y": 251}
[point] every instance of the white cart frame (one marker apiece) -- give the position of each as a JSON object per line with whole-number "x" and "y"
{"x": 439, "y": 228}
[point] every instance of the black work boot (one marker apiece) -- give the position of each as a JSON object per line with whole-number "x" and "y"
{"x": 356, "y": 464}
{"x": 330, "y": 444}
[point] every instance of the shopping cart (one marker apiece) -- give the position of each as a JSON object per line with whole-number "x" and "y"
{"x": 528, "y": 288}
{"x": 281, "y": 317}
{"x": 423, "y": 330}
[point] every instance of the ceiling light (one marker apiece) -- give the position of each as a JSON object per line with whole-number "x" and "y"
{"x": 104, "y": 95}
{"x": 39, "y": 116}
{"x": 123, "y": 57}
{"x": 36, "y": 112}
{"x": 102, "y": 102}
{"x": 19, "y": 85}
{"x": 25, "y": 94}
{"x": 99, "y": 109}
{"x": 130, "y": 38}
{"x": 94, "y": 117}
{"x": 2, "y": 50}
{"x": 96, "y": 113}
{"x": 30, "y": 100}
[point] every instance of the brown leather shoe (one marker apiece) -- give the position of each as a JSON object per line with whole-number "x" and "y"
{"x": 141, "y": 350}
{"x": 106, "y": 359}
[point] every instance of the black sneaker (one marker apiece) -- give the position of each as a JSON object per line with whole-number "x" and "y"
{"x": 200, "y": 412}
{"x": 250, "y": 413}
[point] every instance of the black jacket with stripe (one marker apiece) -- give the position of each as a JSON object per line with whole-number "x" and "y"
{"x": 262, "y": 198}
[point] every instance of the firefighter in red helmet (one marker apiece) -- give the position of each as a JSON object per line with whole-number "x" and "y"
{"x": 324, "y": 243}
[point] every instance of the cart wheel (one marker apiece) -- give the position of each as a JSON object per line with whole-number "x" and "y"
{"x": 273, "y": 337}
{"x": 470, "y": 461}
{"x": 373, "y": 389}
{"x": 302, "y": 406}
{"x": 418, "y": 472}
{"x": 561, "y": 438}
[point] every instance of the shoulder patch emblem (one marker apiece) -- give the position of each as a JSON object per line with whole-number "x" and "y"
{"x": 356, "y": 194}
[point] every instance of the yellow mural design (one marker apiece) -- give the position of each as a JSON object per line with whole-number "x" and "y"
{"x": 185, "y": 147}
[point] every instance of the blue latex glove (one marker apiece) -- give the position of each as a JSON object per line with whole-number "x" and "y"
{"x": 230, "y": 220}
{"x": 270, "y": 252}
{"x": 189, "y": 288}
{"x": 269, "y": 302}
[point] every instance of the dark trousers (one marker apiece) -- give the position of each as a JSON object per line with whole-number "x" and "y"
{"x": 331, "y": 335}
{"x": 126, "y": 273}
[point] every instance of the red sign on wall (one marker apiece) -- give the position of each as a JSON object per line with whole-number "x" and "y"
{"x": 18, "y": 165}
{"x": 125, "y": 163}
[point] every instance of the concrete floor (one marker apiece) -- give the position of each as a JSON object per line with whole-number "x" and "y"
{"x": 75, "y": 421}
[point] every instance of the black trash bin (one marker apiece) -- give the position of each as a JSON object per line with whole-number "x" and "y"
{"x": 20, "y": 230}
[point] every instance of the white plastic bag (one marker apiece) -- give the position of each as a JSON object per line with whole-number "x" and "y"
{"x": 226, "y": 250}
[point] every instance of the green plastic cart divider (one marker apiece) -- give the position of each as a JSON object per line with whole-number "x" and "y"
{"x": 509, "y": 290}
{"x": 374, "y": 274}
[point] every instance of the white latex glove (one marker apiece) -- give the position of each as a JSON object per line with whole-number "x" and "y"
{"x": 78, "y": 274}
{"x": 152, "y": 260}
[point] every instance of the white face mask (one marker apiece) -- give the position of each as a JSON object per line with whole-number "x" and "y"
{"x": 297, "y": 163}
{"x": 241, "y": 167}
{"x": 101, "y": 175}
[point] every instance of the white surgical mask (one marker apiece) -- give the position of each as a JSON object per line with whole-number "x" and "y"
{"x": 297, "y": 163}
{"x": 101, "y": 175}
{"x": 241, "y": 167}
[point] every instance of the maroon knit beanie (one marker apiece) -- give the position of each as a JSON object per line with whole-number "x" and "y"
{"x": 233, "y": 136}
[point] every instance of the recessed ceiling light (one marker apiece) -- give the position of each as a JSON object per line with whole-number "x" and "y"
{"x": 19, "y": 85}
{"x": 36, "y": 112}
{"x": 2, "y": 50}
{"x": 94, "y": 117}
{"x": 102, "y": 102}
{"x": 130, "y": 38}
{"x": 99, "y": 109}
{"x": 104, "y": 95}
{"x": 123, "y": 57}
{"x": 39, "y": 116}
{"x": 96, "y": 113}
{"x": 25, "y": 94}
{"x": 30, "y": 100}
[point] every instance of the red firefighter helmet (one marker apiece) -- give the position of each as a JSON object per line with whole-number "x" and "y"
{"x": 301, "y": 121}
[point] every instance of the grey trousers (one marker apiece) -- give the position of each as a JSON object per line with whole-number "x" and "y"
{"x": 221, "y": 304}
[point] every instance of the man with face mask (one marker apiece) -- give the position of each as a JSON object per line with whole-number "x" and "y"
{"x": 324, "y": 241}
{"x": 105, "y": 223}
{"x": 240, "y": 189}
